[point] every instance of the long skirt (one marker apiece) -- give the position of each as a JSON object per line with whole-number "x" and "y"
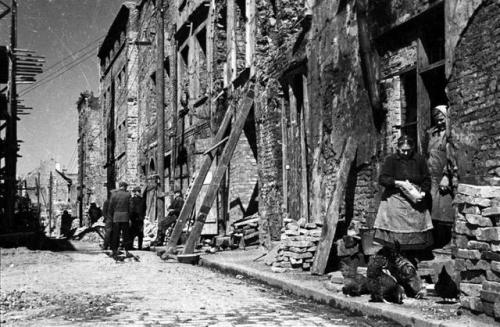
{"x": 400, "y": 220}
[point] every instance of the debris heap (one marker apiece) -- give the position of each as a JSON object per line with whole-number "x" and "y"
{"x": 299, "y": 242}
{"x": 477, "y": 247}
{"x": 246, "y": 231}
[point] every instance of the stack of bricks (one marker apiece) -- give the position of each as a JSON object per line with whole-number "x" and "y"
{"x": 299, "y": 242}
{"x": 246, "y": 230}
{"x": 477, "y": 247}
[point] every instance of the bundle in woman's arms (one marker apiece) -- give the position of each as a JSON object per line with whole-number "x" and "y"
{"x": 411, "y": 191}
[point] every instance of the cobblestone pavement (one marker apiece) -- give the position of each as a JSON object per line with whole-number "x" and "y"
{"x": 90, "y": 289}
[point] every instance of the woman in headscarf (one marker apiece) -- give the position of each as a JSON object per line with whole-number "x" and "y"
{"x": 443, "y": 170}
{"x": 402, "y": 217}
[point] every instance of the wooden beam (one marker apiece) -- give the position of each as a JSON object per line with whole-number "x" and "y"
{"x": 231, "y": 41}
{"x": 304, "y": 192}
{"x": 423, "y": 100}
{"x": 196, "y": 186}
{"x": 332, "y": 214}
{"x": 284, "y": 150}
{"x": 250, "y": 34}
{"x": 223, "y": 163}
{"x": 316, "y": 178}
{"x": 210, "y": 63}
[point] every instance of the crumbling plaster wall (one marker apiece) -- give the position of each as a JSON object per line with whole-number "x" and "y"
{"x": 474, "y": 94}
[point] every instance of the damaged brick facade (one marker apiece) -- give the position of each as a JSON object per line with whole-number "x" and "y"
{"x": 91, "y": 178}
{"x": 118, "y": 98}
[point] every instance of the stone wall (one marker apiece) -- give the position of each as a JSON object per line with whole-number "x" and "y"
{"x": 477, "y": 247}
{"x": 474, "y": 93}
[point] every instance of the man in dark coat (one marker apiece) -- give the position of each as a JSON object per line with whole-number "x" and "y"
{"x": 94, "y": 213}
{"x": 119, "y": 210}
{"x": 137, "y": 213}
{"x": 165, "y": 222}
{"x": 108, "y": 224}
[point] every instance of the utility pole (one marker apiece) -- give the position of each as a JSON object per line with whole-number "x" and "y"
{"x": 11, "y": 133}
{"x": 160, "y": 110}
{"x": 173, "y": 77}
{"x": 50, "y": 202}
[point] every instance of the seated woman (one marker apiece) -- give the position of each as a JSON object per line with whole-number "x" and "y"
{"x": 401, "y": 216}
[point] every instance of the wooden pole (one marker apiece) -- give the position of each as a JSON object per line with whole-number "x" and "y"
{"x": 332, "y": 214}
{"x": 38, "y": 195}
{"x": 304, "y": 194}
{"x": 231, "y": 41}
{"x": 51, "y": 180}
{"x": 174, "y": 98}
{"x": 225, "y": 158}
{"x": 160, "y": 110}
{"x": 284, "y": 150}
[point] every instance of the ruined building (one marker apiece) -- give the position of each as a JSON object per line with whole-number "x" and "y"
{"x": 91, "y": 178}
{"x": 118, "y": 98}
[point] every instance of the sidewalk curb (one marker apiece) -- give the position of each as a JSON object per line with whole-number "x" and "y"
{"x": 323, "y": 296}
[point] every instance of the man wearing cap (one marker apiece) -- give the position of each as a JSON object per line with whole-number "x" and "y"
{"x": 443, "y": 170}
{"x": 137, "y": 213}
{"x": 119, "y": 209}
{"x": 173, "y": 212}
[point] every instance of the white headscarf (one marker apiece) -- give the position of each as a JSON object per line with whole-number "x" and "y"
{"x": 442, "y": 109}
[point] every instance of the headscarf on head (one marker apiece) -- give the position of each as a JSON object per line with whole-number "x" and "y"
{"x": 441, "y": 109}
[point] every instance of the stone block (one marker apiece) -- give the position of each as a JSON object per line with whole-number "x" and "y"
{"x": 489, "y": 255}
{"x": 297, "y": 250}
{"x": 312, "y": 249}
{"x": 460, "y": 265}
{"x": 476, "y": 245}
{"x": 304, "y": 231}
{"x": 496, "y": 310}
{"x": 299, "y": 244}
{"x": 491, "y": 286}
{"x": 461, "y": 241}
{"x": 495, "y": 246}
{"x": 489, "y": 192}
{"x": 464, "y": 229}
{"x": 468, "y": 189}
{"x": 474, "y": 304}
{"x": 278, "y": 269}
{"x": 475, "y": 210}
{"x": 480, "y": 202}
{"x": 488, "y": 234}
{"x": 468, "y": 254}
{"x": 490, "y": 296}
{"x": 495, "y": 266}
{"x": 471, "y": 289}
{"x": 315, "y": 233}
{"x": 477, "y": 265}
{"x": 290, "y": 232}
{"x": 302, "y": 222}
{"x": 310, "y": 225}
{"x": 478, "y": 220}
{"x": 292, "y": 226}
{"x": 492, "y": 276}
{"x": 306, "y": 265}
{"x": 296, "y": 262}
{"x": 491, "y": 212}
{"x": 283, "y": 237}
{"x": 473, "y": 276}
{"x": 294, "y": 255}
{"x": 288, "y": 220}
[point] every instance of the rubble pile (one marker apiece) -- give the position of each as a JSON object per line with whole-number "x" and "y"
{"x": 246, "y": 231}
{"x": 477, "y": 247}
{"x": 299, "y": 242}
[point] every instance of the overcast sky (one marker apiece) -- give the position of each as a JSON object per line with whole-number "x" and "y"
{"x": 57, "y": 29}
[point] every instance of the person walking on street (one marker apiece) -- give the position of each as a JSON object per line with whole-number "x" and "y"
{"x": 119, "y": 210}
{"x": 173, "y": 212}
{"x": 137, "y": 213}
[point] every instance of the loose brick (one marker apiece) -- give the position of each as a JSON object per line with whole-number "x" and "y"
{"x": 476, "y": 245}
{"x": 488, "y": 308}
{"x": 311, "y": 225}
{"x": 474, "y": 276}
{"x": 294, "y": 255}
{"x": 489, "y": 255}
{"x": 492, "y": 276}
{"x": 461, "y": 241}
{"x": 290, "y": 232}
{"x": 468, "y": 189}
{"x": 489, "y": 192}
{"x": 478, "y": 220}
{"x": 292, "y": 226}
{"x": 468, "y": 254}
{"x": 471, "y": 289}
{"x": 477, "y": 265}
{"x": 472, "y": 210}
{"x": 462, "y": 228}
{"x": 299, "y": 244}
{"x": 491, "y": 212}
{"x": 312, "y": 249}
{"x": 297, "y": 250}
{"x": 480, "y": 202}
{"x": 491, "y": 286}
{"x": 495, "y": 247}
{"x": 488, "y": 234}
{"x": 495, "y": 266}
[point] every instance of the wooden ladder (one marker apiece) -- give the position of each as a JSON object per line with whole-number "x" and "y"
{"x": 210, "y": 195}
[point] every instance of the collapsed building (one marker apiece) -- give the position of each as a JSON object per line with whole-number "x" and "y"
{"x": 335, "y": 83}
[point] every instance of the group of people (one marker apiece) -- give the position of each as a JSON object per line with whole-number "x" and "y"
{"x": 124, "y": 215}
{"x": 422, "y": 222}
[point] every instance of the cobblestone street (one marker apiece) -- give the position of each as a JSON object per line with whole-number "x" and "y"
{"x": 88, "y": 288}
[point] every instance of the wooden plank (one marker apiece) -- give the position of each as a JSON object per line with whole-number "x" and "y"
{"x": 304, "y": 189}
{"x": 231, "y": 40}
{"x": 210, "y": 65}
{"x": 220, "y": 171}
{"x": 294, "y": 196}
{"x": 250, "y": 34}
{"x": 423, "y": 100}
{"x": 316, "y": 178}
{"x": 196, "y": 187}
{"x": 284, "y": 149}
{"x": 332, "y": 214}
